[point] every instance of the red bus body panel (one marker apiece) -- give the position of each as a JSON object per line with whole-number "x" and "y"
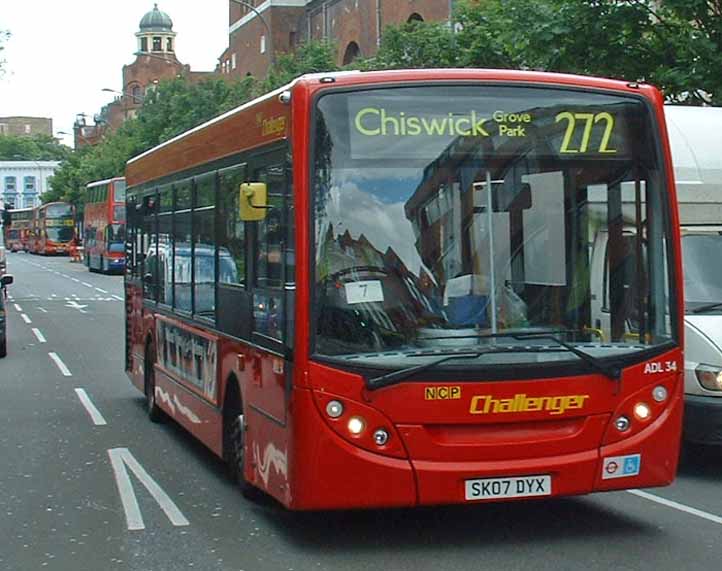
{"x": 298, "y": 455}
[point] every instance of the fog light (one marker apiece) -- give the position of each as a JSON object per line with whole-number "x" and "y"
{"x": 622, "y": 423}
{"x": 334, "y": 408}
{"x": 642, "y": 411}
{"x": 709, "y": 377}
{"x": 356, "y": 425}
{"x": 659, "y": 393}
{"x": 381, "y": 437}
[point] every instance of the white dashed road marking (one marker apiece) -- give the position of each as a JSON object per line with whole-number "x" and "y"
{"x": 26, "y": 319}
{"x": 94, "y": 413}
{"x": 39, "y": 335}
{"x": 59, "y": 362}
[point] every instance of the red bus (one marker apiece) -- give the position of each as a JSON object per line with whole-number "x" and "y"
{"x": 18, "y": 233}
{"x": 379, "y": 289}
{"x": 104, "y": 225}
{"x": 53, "y": 229}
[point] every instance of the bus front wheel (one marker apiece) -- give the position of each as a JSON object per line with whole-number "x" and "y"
{"x": 155, "y": 414}
{"x": 234, "y": 445}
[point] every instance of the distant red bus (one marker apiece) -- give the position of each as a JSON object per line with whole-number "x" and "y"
{"x": 378, "y": 289}
{"x": 53, "y": 229}
{"x": 104, "y": 225}
{"x": 18, "y": 233}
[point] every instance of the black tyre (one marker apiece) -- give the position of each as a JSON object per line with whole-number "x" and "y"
{"x": 3, "y": 348}
{"x": 234, "y": 444}
{"x": 155, "y": 414}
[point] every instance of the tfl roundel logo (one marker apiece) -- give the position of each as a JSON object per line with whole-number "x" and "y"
{"x": 621, "y": 466}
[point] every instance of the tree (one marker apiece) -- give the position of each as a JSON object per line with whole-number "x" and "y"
{"x": 311, "y": 57}
{"x": 32, "y": 148}
{"x": 415, "y": 45}
{"x": 674, "y": 44}
{"x": 691, "y": 32}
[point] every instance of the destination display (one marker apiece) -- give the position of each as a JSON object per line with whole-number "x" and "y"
{"x": 392, "y": 124}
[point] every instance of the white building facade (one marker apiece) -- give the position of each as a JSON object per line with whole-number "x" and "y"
{"x": 22, "y": 182}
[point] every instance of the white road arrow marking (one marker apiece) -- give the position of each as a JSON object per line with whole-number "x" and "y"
{"x": 76, "y": 305}
{"x": 121, "y": 458}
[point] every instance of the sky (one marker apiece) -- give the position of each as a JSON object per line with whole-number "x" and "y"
{"x": 62, "y": 53}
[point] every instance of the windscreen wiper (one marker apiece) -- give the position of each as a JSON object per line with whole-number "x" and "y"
{"x": 394, "y": 377}
{"x": 613, "y": 372}
{"x": 706, "y": 307}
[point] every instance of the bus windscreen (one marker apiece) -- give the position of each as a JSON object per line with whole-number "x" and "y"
{"x": 445, "y": 214}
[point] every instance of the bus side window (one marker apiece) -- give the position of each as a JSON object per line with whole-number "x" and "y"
{"x": 232, "y": 297}
{"x": 204, "y": 246}
{"x": 274, "y": 269}
{"x": 150, "y": 247}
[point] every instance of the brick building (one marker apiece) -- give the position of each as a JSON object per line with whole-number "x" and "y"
{"x": 354, "y": 25}
{"x": 155, "y": 60}
{"x": 26, "y": 126}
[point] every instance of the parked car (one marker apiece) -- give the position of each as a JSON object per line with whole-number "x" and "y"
{"x": 5, "y": 281}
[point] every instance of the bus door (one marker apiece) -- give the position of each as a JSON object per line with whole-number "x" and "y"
{"x": 272, "y": 288}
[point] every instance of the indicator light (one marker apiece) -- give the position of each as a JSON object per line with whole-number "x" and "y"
{"x": 642, "y": 411}
{"x": 381, "y": 437}
{"x": 334, "y": 409}
{"x": 356, "y": 425}
{"x": 622, "y": 423}
{"x": 659, "y": 393}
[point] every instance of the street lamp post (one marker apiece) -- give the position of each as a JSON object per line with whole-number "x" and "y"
{"x": 78, "y": 135}
{"x": 271, "y": 54}
{"x": 136, "y": 98}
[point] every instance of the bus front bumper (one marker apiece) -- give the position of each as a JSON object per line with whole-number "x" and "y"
{"x": 335, "y": 474}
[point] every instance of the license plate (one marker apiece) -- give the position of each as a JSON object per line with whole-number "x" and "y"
{"x": 516, "y": 487}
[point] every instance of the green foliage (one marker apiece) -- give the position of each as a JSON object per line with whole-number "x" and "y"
{"x": 311, "y": 57}
{"x": 414, "y": 45}
{"x": 32, "y": 148}
{"x": 674, "y": 44}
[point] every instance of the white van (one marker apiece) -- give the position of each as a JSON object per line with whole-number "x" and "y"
{"x": 696, "y": 139}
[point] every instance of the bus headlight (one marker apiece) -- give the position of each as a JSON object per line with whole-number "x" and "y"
{"x": 642, "y": 411}
{"x": 709, "y": 377}
{"x": 356, "y": 425}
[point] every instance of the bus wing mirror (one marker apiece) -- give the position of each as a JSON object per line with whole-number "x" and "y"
{"x": 252, "y": 201}
{"x": 6, "y": 280}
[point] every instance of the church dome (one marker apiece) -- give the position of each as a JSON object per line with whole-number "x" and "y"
{"x": 156, "y": 21}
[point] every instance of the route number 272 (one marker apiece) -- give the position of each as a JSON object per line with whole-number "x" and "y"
{"x": 585, "y": 121}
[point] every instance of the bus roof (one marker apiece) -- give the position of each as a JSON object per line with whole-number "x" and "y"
{"x": 106, "y": 181}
